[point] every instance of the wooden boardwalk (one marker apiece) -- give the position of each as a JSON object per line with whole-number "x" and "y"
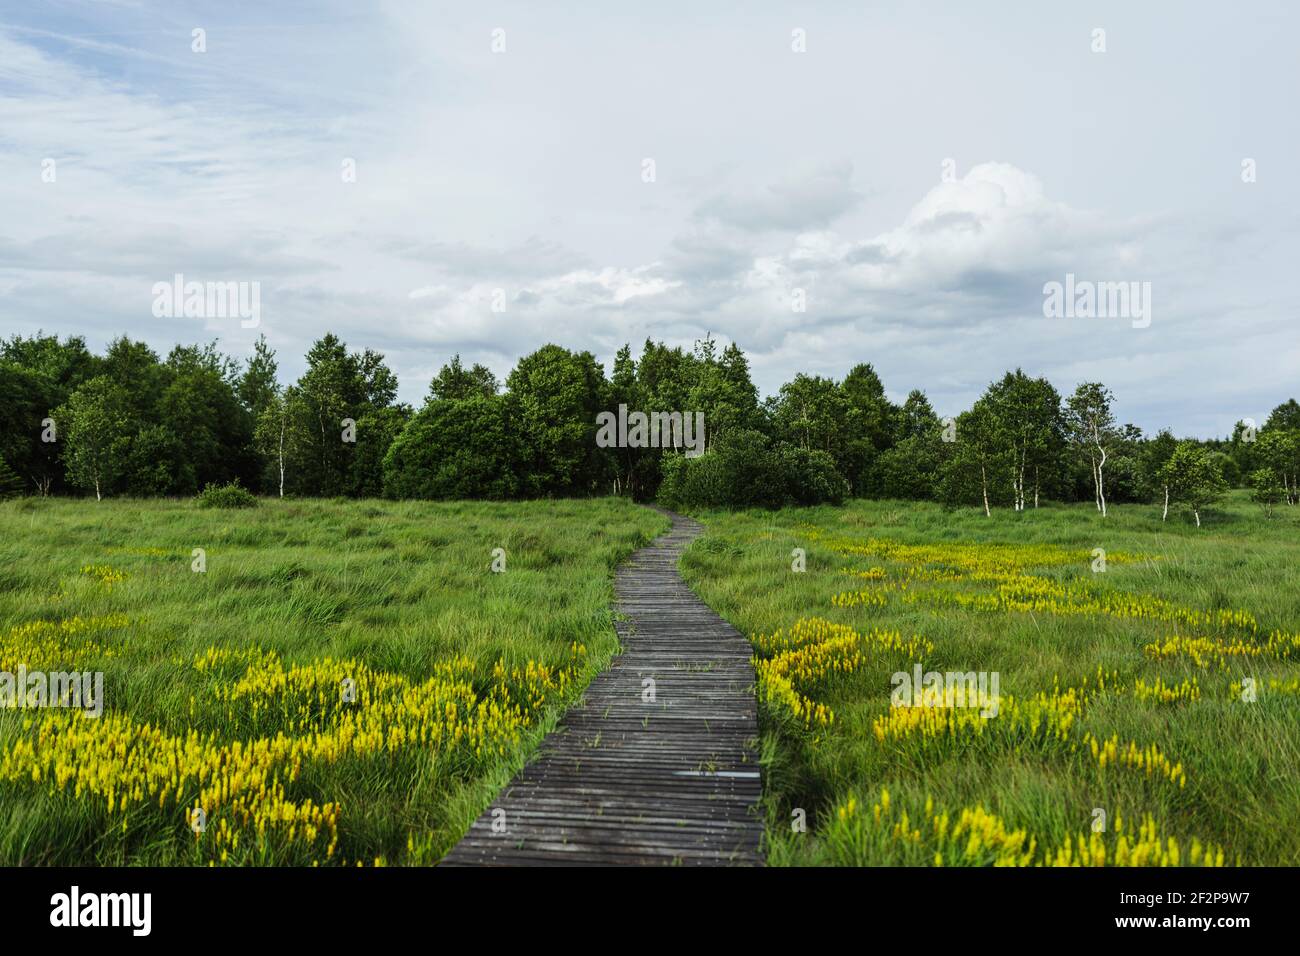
{"x": 627, "y": 781}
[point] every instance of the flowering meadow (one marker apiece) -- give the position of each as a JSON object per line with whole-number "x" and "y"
{"x": 1148, "y": 682}
{"x": 307, "y": 682}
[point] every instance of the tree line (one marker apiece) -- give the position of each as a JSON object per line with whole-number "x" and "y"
{"x": 131, "y": 422}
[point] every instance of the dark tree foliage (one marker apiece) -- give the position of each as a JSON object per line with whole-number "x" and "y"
{"x": 456, "y": 448}
{"x": 133, "y": 423}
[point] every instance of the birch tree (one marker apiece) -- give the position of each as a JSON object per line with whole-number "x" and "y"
{"x": 1029, "y": 424}
{"x": 279, "y": 433}
{"x": 1279, "y": 449}
{"x": 1193, "y": 478}
{"x": 978, "y": 457}
{"x": 95, "y": 431}
{"x": 1092, "y": 428}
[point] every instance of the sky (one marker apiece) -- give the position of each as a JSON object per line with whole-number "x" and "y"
{"x": 823, "y": 183}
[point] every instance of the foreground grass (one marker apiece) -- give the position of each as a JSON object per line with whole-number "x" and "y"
{"x": 228, "y": 690}
{"x": 885, "y": 785}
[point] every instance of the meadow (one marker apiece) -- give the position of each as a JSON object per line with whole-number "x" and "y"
{"x": 348, "y": 682}
{"x": 1149, "y": 707}
{"x": 344, "y": 682}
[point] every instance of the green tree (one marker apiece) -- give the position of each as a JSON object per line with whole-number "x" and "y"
{"x": 455, "y": 382}
{"x": 636, "y": 470}
{"x": 139, "y": 373}
{"x": 213, "y": 430}
{"x": 94, "y": 426}
{"x": 811, "y": 413}
{"x": 1090, "y": 424}
{"x": 557, "y": 395}
{"x": 150, "y": 460}
{"x": 258, "y": 384}
{"x": 1278, "y": 448}
{"x": 979, "y": 453}
{"x": 1266, "y": 488}
{"x": 911, "y": 467}
{"x": 916, "y": 417}
{"x": 11, "y": 486}
{"x": 719, "y": 386}
{"x": 1155, "y": 454}
{"x": 1241, "y": 447}
{"x": 745, "y": 469}
{"x": 1286, "y": 417}
{"x": 462, "y": 448}
{"x": 37, "y": 374}
{"x": 1193, "y": 478}
{"x": 338, "y": 387}
{"x": 278, "y": 435}
{"x": 1026, "y": 416}
{"x": 377, "y": 429}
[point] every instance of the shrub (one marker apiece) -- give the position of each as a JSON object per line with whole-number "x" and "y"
{"x": 230, "y": 495}
{"x": 909, "y": 469}
{"x": 744, "y": 470}
{"x": 810, "y": 476}
{"x": 454, "y": 449}
{"x": 1267, "y": 489}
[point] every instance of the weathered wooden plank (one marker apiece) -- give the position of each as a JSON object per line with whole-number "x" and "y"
{"x": 630, "y": 782}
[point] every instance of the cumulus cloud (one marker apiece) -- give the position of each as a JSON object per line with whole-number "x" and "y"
{"x": 480, "y": 175}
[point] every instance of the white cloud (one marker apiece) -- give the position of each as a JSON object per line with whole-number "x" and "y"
{"x": 800, "y": 201}
{"x": 521, "y": 173}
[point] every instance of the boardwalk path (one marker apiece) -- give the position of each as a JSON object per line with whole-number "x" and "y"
{"x": 625, "y": 781}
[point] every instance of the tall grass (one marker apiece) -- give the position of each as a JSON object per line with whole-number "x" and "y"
{"x": 1242, "y": 761}
{"x": 401, "y": 588}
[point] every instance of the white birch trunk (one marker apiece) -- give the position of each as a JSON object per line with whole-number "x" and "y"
{"x": 1101, "y": 484}
{"x": 281, "y": 456}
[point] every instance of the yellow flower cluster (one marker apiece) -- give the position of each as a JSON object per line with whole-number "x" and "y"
{"x": 1274, "y": 686}
{"x": 1214, "y": 651}
{"x": 1149, "y": 759}
{"x": 964, "y": 560}
{"x": 870, "y": 574}
{"x": 1019, "y": 578}
{"x": 127, "y": 765}
{"x": 858, "y": 599}
{"x": 43, "y": 645}
{"x": 1283, "y": 646}
{"x": 1003, "y": 566}
{"x": 323, "y": 712}
{"x": 1145, "y": 849}
{"x": 974, "y": 836}
{"x": 1048, "y": 716}
{"x": 1030, "y": 594}
{"x": 1160, "y": 692}
{"x": 104, "y": 573}
{"x": 814, "y": 648}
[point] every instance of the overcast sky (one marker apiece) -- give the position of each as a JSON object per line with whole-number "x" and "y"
{"x": 774, "y": 171}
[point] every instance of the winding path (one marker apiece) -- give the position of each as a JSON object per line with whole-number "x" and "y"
{"x": 625, "y": 780}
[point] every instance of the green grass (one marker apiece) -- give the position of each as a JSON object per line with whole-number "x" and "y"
{"x": 400, "y": 588}
{"x": 397, "y": 592}
{"x": 1241, "y": 760}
